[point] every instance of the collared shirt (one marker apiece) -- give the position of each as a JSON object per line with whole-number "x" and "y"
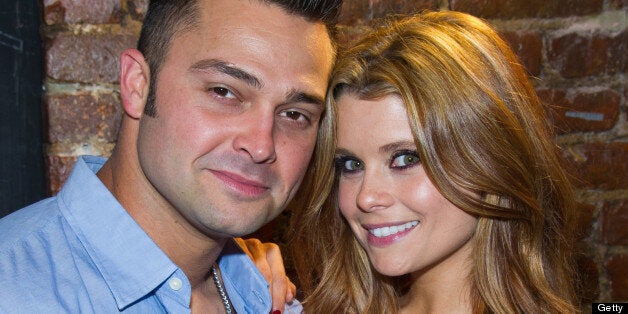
{"x": 80, "y": 252}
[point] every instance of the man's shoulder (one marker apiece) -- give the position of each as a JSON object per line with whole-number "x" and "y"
{"x": 33, "y": 237}
{"x": 47, "y": 212}
{"x": 49, "y": 217}
{"x": 43, "y": 265}
{"x": 26, "y": 221}
{"x": 33, "y": 249}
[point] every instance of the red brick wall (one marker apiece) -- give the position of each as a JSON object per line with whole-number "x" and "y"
{"x": 575, "y": 49}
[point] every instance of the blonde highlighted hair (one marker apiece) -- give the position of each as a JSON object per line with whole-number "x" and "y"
{"x": 479, "y": 127}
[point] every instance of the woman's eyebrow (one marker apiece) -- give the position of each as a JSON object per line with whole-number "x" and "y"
{"x": 394, "y": 146}
{"x": 343, "y": 152}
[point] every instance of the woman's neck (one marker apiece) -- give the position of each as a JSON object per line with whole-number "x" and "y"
{"x": 437, "y": 297}
{"x": 442, "y": 288}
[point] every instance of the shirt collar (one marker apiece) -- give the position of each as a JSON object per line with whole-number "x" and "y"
{"x": 130, "y": 262}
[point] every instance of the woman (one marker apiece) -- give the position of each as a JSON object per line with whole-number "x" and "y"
{"x": 447, "y": 194}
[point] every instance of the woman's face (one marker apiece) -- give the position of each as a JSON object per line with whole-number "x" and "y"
{"x": 399, "y": 217}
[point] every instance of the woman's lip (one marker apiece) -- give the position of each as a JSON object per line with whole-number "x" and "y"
{"x": 382, "y": 235}
{"x": 240, "y": 184}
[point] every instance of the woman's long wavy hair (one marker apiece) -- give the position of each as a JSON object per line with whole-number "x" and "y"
{"x": 479, "y": 127}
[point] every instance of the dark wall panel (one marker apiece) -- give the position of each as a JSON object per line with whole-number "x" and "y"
{"x": 22, "y": 179}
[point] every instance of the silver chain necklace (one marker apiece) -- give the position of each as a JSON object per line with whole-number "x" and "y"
{"x": 221, "y": 291}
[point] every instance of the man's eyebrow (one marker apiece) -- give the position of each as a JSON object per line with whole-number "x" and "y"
{"x": 296, "y": 96}
{"x": 226, "y": 68}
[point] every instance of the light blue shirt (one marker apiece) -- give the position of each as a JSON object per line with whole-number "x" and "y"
{"x": 80, "y": 252}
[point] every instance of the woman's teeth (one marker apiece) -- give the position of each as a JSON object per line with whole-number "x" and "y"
{"x": 386, "y": 231}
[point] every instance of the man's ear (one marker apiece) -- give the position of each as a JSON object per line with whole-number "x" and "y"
{"x": 134, "y": 82}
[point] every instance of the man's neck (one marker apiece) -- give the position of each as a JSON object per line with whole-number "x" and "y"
{"x": 206, "y": 297}
{"x": 190, "y": 249}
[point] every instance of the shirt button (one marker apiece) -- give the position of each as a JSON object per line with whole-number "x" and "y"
{"x": 175, "y": 284}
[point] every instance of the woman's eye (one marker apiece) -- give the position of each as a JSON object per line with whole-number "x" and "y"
{"x": 348, "y": 165}
{"x": 405, "y": 160}
{"x": 353, "y": 165}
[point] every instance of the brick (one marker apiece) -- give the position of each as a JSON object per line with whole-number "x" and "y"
{"x": 618, "y": 276}
{"x": 350, "y": 34}
{"x": 354, "y": 11}
{"x": 77, "y": 118}
{"x": 617, "y": 51}
{"x": 614, "y": 222}
{"x": 528, "y": 46}
{"x": 59, "y": 169}
{"x": 138, "y": 8}
{"x": 582, "y": 110}
{"x": 619, "y": 4}
{"x": 81, "y": 11}
{"x": 383, "y": 8}
{"x": 599, "y": 166}
{"x": 583, "y": 221}
{"x": 86, "y": 58}
{"x": 576, "y": 55}
{"x": 588, "y": 277}
{"x": 53, "y": 12}
{"x": 507, "y": 9}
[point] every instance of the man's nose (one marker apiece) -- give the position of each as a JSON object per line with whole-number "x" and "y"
{"x": 256, "y": 137}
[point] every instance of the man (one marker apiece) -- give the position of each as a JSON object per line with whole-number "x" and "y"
{"x": 222, "y": 105}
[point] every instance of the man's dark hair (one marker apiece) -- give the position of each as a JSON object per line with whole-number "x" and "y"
{"x": 326, "y": 11}
{"x": 166, "y": 18}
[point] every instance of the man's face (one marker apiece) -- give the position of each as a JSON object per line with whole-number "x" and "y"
{"x": 238, "y": 104}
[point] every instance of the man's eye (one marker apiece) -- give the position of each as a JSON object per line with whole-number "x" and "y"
{"x": 405, "y": 160}
{"x": 295, "y": 115}
{"x": 222, "y": 92}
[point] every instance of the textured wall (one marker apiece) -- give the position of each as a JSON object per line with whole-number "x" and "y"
{"x": 575, "y": 50}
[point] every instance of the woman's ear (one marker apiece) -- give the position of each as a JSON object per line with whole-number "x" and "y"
{"x": 134, "y": 82}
